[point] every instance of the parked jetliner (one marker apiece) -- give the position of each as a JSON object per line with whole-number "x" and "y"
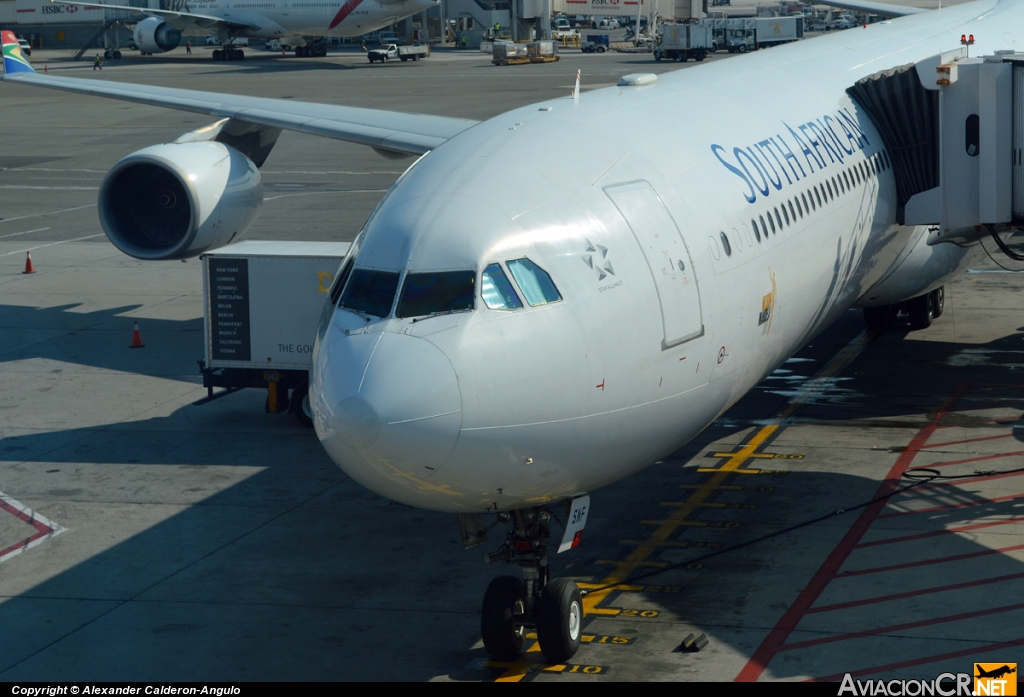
{"x": 508, "y": 347}
{"x": 158, "y": 31}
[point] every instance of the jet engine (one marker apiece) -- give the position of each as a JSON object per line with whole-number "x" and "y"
{"x": 154, "y": 35}
{"x": 178, "y": 200}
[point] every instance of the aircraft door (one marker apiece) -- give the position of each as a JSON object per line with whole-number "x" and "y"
{"x": 667, "y": 257}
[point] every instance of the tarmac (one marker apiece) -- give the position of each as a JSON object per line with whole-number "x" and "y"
{"x": 143, "y": 538}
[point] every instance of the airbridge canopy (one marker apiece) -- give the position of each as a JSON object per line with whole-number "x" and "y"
{"x": 954, "y": 129}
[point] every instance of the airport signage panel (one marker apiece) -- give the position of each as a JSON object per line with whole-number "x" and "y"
{"x": 609, "y": 8}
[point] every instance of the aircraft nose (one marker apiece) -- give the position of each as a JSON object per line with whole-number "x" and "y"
{"x": 387, "y": 409}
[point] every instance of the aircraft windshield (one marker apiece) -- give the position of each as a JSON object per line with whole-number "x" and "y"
{"x": 370, "y": 292}
{"x": 534, "y": 281}
{"x": 496, "y": 290}
{"x": 436, "y": 293}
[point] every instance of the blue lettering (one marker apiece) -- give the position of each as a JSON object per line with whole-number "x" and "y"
{"x": 813, "y": 143}
{"x": 808, "y": 155}
{"x": 787, "y": 156}
{"x": 753, "y": 194}
{"x": 738, "y": 152}
{"x": 825, "y": 142}
{"x": 862, "y": 140}
{"x": 835, "y": 138}
{"x": 777, "y": 184}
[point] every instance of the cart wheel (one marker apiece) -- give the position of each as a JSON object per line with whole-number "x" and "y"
{"x": 300, "y": 405}
{"x": 600, "y": 49}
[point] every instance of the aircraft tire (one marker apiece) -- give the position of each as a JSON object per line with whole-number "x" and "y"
{"x": 503, "y": 637}
{"x": 938, "y": 301}
{"x": 117, "y": 55}
{"x": 560, "y": 620}
{"x": 106, "y": 54}
{"x": 218, "y": 55}
{"x": 921, "y": 311}
{"x": 239, "y": 54}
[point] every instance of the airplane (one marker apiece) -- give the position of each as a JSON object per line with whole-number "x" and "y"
{"x": 510, "y": 347}
{"x": 995, "y": 673}
{"x": 159, "y": 31}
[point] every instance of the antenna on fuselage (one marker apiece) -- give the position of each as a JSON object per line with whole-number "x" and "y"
{"x": 576, "y": 91}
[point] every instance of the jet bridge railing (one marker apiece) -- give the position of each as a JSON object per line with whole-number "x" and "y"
{"x": 954, "y": 129}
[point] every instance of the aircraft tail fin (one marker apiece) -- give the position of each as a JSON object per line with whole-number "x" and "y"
{"x": 14, "y": 62}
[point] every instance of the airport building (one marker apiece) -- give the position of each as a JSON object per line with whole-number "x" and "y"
{"x": 50, "y": 25}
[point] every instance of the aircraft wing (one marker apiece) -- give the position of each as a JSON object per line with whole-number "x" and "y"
{"x": 176, "y": 18}
{"x": 878, "y": 8}
{"x": 391, "y": 131}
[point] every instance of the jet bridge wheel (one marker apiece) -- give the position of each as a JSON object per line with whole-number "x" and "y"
{"x": 501, "y": 618}
{"x": 560, "y": 620}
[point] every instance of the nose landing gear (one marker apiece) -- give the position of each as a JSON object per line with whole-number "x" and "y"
{"x": 511, "y": 607}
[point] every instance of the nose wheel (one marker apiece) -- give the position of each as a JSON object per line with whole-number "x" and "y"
{"x": 513, "y": 606}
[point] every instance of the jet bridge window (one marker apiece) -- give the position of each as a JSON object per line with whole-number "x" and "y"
{"x": 497, "y": 291}
{"x": 436, "y": 293}
{"x": 536, "y": 284}
{"x": 370, "y": 292}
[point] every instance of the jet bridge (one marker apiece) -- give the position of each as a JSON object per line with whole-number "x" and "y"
{"x": 954, "y": 130}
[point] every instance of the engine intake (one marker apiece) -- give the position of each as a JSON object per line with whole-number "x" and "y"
{"x": 179, "y": 200}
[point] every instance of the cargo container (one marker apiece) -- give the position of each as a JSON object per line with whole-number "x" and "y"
{"x": 262, "y": 303}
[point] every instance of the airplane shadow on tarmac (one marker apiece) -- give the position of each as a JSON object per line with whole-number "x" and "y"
{"x": 296, "y": 572}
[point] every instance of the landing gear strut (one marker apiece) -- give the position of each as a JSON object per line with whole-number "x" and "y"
{"x": 228, "y": 54}
{"x": 554, "y": 608}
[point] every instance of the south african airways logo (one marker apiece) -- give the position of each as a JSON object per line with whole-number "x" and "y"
{"x": 14, "y": 62}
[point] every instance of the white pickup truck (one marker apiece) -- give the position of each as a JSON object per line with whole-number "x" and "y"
{"x": 392, "y": 51}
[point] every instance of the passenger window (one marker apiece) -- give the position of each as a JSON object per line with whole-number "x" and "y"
{"x": 497, "y": 291}
{"x": 371, "y": 292}
{"x": 785, "y": 214}
{"x": 792, "y": 210}
{"x": 817, "y": 195}
{"x": 725, "y": 244}
{"x": 757, "y": 233}
{"x": 436, "y": 293}
{"x": 536, "y": 284}
{"x": 805, "y": 208}
{"x": 777, "y": 217}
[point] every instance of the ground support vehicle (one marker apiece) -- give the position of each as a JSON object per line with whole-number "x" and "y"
{"x": 262, "y": 302}
{"x": 682, "y": 42}
{"x": 595, "y": 43}
{"x": 393, "y": 51}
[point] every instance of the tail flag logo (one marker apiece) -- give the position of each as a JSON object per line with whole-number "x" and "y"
{"x": 14, "y": 62}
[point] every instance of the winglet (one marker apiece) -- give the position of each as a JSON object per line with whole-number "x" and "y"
{"x": 575, "y": 92}
{"x": 14, "y": 62}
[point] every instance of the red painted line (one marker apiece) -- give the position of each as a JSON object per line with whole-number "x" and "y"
{"x": 924, "y": 661}
{"x": 969, "y": 440}
{"x": 21, "y": 515}
{"x": 927, "y": 562}
{"x": 24, "y": 543}
{"x": 344, "y": 12}
{"x": 901, "y": 627}
{"x": 970, "y": 459}
{"x": 935, "y": 533}
{"x": 777, "y": 637}
{"x": 953, "y": 506}
{"x": 915, "y": 594}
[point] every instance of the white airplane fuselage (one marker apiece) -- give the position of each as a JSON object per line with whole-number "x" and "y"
{"x": 287, "y": 18}
{"x": 659, "y": 330}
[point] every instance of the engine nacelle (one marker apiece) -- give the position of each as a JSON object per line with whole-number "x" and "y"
{"x": 178, "y": 200}
{"x": 154, "y": 35}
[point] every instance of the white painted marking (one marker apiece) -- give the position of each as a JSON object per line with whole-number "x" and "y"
{"x": 27, "y": 232}
{"x": 37, "y": 215}
{"x": 51, "y": 188}
{"x": 52, "y": 244}
{"x": 20, "y": 511}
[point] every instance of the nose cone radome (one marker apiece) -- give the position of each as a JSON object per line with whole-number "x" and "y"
{"x": 388, "y": 411}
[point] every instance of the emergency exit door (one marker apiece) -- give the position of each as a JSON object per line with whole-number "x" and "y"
{"x": 667, "y": 257}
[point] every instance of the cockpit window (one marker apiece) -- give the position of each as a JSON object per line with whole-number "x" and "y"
{"x": 370, "y": 292}
{"x": 339, "y": 279}
{"x": 534, "y": 281}
{"x": 436, "y": 293}
{"x": 496, "y": 290}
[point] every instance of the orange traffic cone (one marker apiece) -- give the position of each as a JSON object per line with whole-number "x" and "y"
{"x": 29, "y": 268}
{"x": 136, "y": 337}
